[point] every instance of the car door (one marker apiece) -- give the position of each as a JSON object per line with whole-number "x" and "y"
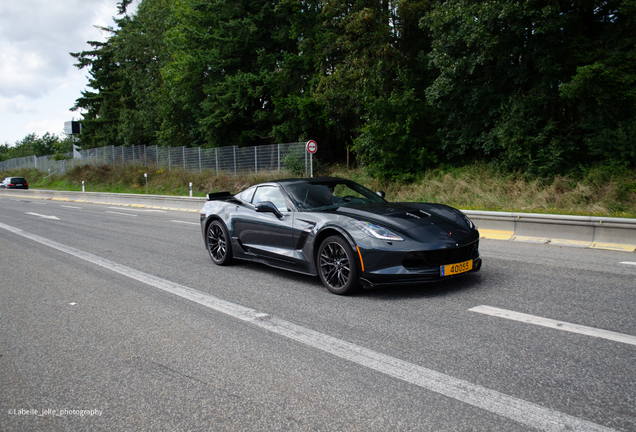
{"x": 267, "y": 234}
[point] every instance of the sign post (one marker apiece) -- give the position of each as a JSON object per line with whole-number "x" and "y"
{"x": 312, "y": 148}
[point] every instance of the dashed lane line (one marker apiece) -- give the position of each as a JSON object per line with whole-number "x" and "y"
{"x": 185, "y": 222}
{"x": 554, "y": 324}
{"x": 123, "y": 214}
{"x": 43, "y": 216}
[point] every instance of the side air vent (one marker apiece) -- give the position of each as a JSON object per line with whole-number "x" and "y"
{"x": 302, "y": 239}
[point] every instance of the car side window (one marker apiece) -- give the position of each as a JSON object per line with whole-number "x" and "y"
{"x": 273, "y": 194}
{"x": 247, "y": 194}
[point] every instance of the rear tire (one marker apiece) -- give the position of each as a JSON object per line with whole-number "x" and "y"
{"x": 336, "y": 266}
{"x": 218, "y": 243}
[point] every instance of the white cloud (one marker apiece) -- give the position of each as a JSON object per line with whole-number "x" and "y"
{"x": 15, "y": 105}
{"x": 38, "y": 82}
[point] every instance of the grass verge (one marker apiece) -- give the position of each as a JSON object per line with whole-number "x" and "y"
{"x": 600, "y": 191}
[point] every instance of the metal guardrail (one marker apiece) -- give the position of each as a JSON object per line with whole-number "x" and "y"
{"x": 578, "y": 231}
{"x": 229, "y": 160}
{"x": 582, "y": 231}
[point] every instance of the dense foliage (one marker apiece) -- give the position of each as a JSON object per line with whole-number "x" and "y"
{"x": 536, "y": 85}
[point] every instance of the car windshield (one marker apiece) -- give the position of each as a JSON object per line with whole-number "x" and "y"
{"x": 330, "y": 194}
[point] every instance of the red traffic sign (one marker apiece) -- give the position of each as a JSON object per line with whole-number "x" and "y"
{"x": 312, "y": 147}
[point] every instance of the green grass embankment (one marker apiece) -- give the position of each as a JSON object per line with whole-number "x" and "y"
{"x": 603, "y": 191}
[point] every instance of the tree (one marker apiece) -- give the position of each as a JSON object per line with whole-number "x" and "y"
{"x": 600, "y": 98}
{"x": 373, "y": 82}
{"x": 33, "y": 145}
{"x": 140, "y": 54}
{"x": 239, "y": 75}
{"x": 103, "y": 107}
{"x": 512, "y": 77}
{"x": 4, "y": 151}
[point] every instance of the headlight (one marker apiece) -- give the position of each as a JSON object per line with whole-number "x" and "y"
{"x": 470, "y": 223}
{"x": 376, "y": 231}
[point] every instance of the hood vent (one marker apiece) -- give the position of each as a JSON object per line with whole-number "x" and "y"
{"x": 412, "y": 215}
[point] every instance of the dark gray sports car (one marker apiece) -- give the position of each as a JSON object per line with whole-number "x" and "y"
{"x": 340, "y": 231}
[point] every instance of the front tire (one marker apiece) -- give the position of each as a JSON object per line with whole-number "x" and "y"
{"x": 218, "y": 243}
{"x": 336, "y": 266}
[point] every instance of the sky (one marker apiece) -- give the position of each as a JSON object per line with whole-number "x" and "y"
{"x": 38, "y": 82}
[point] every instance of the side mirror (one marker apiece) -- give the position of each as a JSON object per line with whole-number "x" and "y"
{"x": 267, "y": 207}
{"x": 381, "y": 194}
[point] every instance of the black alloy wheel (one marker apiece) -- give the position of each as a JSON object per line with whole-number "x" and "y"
{"x": 218, "y": 243}
{"x": 337, "y": 267}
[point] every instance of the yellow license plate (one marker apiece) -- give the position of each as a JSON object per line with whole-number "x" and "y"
{"x": 453, "y": 269}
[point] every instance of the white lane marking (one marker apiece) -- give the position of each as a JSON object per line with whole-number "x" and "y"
{"x": 42, "y": 216}
{"x": 521, "y": 411}
{"x": 124, "y": 214}
{"x": 140, "y": 210}
{"x": 628, "y": 262}
{"x": 73, "y": 207}
{"x": 185, "y": 222}
{"x": 559, "y": 325}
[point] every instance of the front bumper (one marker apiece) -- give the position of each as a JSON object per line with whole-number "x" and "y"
{"x": 412, "y": 265}
{"x": 409, "y": 277}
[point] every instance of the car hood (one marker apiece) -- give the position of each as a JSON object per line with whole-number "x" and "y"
{"x": 421, "y": 221}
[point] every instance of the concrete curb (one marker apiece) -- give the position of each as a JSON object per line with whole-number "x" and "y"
{"x": 561, "y": 230}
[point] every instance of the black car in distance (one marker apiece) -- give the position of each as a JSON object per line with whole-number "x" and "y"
{"x": 341, "y": 231}
{"x": 14, "y": 183}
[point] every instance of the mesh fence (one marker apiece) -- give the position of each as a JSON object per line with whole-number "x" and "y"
{"x": 291, "y": 157}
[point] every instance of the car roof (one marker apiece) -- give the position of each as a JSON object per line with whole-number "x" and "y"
{"x": 309, "y": 180}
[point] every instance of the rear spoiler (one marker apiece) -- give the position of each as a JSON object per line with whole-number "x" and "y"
{"x": 218, "y": 196}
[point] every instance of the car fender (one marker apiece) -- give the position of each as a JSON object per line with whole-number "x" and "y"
{"x": 217, "y": 210}
{"x": 325, "y": 231}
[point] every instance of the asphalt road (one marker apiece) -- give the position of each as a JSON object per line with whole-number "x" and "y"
{"x": 116, "y": 319}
